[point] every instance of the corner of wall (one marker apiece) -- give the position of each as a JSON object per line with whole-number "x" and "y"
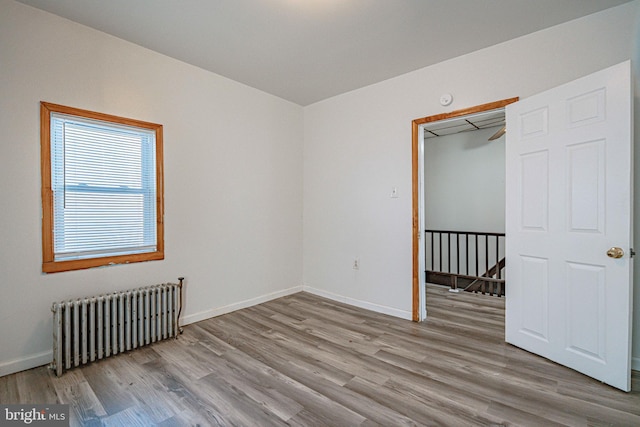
{"x": 402, "y": 314}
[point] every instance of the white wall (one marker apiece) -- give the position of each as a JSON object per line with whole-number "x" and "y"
{"x": 357, "y": 146}
{"x": 233, "y": 170}
{"x": 464, "y": 182}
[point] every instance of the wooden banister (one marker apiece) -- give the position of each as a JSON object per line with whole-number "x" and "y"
{"x": 480, "y": 249}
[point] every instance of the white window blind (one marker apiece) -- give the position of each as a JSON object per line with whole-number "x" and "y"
{"x": 104, "y": 188}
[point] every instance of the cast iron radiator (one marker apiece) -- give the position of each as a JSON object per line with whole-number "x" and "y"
{"x": 93, "y": 328}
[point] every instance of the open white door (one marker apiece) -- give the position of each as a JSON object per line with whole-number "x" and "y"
{"x": 569, "y": 200}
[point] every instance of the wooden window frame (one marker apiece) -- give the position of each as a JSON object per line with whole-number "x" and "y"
{"x": 49, "y": 264}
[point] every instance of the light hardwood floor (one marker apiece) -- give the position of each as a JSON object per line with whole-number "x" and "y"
{"x": 303, "y": 360}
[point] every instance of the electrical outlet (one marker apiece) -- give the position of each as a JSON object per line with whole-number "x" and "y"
{"x": 356, "y": 264}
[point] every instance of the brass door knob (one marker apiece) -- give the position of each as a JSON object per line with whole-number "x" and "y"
{"x": 615, "y": 252}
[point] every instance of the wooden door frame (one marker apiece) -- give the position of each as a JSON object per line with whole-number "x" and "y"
{"x": 415, "y": 126}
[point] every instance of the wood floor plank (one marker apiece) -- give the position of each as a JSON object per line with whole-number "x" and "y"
{"x": 314, "y": 379}
{"x": 176, "y": 352}
{"x": 43, "y": 393}
{"x": 307, "y": 361}
{"x": 206, "y": 340}
{"x": 519, "y": 417}
{"x": 289, "y": 380}
{"x": 304, "y": 360}
{"x": 292, "y": 350}
{"x": 130, "y": 417}
{"x": 181, "y": 391}
{"x": 108, "y": 387}
{"x": 245, "y": 383}
{"x": 9, "y": 390}
{"x": 146, "y": 391}
{"x": 314, "y": 384}
{"x": 74, "y": 390}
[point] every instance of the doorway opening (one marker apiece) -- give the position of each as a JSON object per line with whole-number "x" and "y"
{"x": 420, "y": 127}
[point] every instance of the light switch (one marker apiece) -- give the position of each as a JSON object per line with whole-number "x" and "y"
{"x": 394, "y": 193}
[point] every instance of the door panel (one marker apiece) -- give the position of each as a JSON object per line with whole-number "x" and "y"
{"x": 535, "y": 307}
{"x": 569, "y": 176}
{"x": 586, "y": 310}
{"x": 586, "y": 179}
{"x": 535, "y": 191}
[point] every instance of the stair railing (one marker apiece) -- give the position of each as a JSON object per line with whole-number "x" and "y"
{"x": 467, "y": 260}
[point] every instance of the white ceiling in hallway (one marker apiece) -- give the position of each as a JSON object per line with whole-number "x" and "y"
{"x": 471, "y": 122}
{"x": 308, "y": 50}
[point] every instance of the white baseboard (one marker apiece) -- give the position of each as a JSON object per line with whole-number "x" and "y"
{"x": 635, "y": 363}
{"x": 407, "y": 315}
{"x": 24, "y": 363}
{"x": 207, "y": 314}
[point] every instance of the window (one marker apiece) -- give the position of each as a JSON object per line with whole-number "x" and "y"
{"x": 102, "y": 184}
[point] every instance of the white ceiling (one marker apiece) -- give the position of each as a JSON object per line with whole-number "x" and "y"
{"x": 308, "y": 50}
